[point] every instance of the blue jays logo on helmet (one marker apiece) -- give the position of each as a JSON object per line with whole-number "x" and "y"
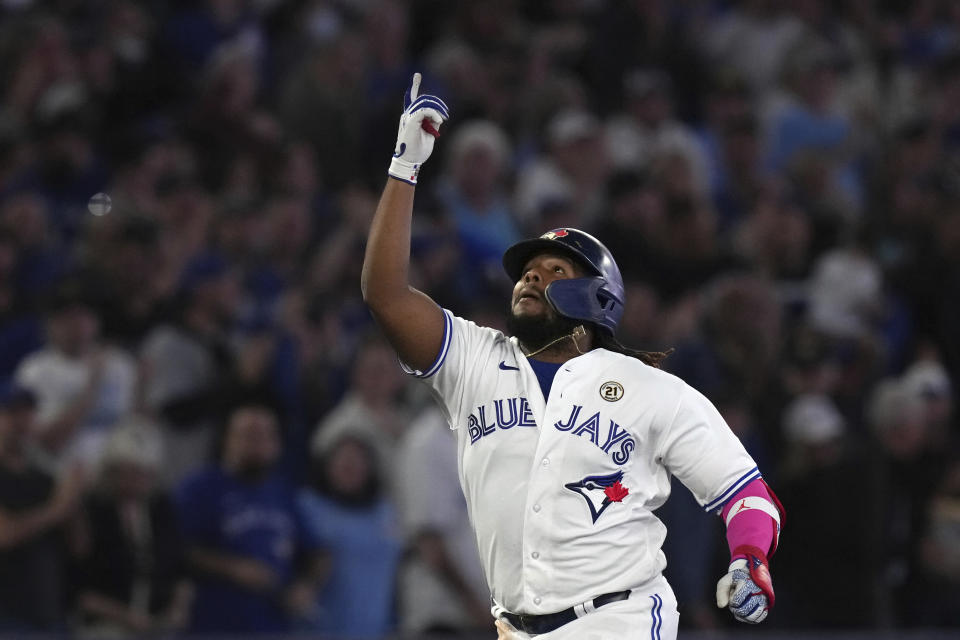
{"x": 600, "y": 491}
{"x": 597, "y": 298}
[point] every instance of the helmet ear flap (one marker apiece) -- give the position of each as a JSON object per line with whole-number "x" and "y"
{"x": 585, "y": 299}
{"x": 605, "y": 300}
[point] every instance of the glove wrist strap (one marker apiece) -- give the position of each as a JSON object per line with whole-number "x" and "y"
{"x": 404, "y": 171}
{"x": 757, "y": 566}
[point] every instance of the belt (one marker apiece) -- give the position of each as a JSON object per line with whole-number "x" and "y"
{"x": 536, "y": 624}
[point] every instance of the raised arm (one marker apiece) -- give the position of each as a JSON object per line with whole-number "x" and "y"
{"x": 412, "y": 322}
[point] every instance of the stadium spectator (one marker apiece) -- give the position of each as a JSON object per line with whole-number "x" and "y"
{"x": 21, "y": 327}
{"x": 132, "y": 578}
{"x": 822, "y": 454}
{"x": 320, "y": 98}
{"x": 42, "y": 261}
{"x": 244, "y": 537}
{"x": 742, "y": 179}
{"x": 82, "y": 384}
{"x": 185, "y": 362}
{"x": 647, "y": 130}
{"x": 754, "y": 38}
{"x": 909, "y": 471}
{"x": 927, "y": 380}
{"x": 941, "y": 553}
{"x": 809, "y": 138}
{"x": 634, "y": 223}
{"x": 351, "y": 518}
{"x": 38, "y": 524}
{"x": 474, "y": 197}
{"x": 560, "y": 174}
{"x": 738, "y": 341}
{"x": 120, "y": 259}
{"x": 775, "y": 235}
{"x": 372, "y": 408}
{"x": 442, "y": 588}
{"x": 727, "y": 133}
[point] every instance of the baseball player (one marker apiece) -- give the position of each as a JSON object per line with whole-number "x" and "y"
{"x": 566, "y": 438}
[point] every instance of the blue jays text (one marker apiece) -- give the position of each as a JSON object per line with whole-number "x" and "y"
{"x": 508, "y": 413}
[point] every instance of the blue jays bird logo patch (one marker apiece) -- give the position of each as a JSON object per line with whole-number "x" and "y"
{"x": 600, "y": 491}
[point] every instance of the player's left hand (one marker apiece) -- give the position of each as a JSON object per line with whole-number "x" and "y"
{"x": 747, "y": 589}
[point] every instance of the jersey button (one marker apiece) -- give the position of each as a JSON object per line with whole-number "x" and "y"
{"x": 537, "y": 600}
{"x": 545, "y": 461}
{"x": 536, "y": 508}
{"x": 535, "y": 555}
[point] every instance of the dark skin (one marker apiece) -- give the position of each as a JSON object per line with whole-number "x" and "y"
{"x": 410, "y": 319}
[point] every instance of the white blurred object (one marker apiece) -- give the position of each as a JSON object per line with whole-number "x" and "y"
{"x": 891, "y": 408}
{"x": 480, "y": 134}
{"x": 813, "y": 419}
{"x": 845, "y": 293}
{"x": 927, "y": 379}
{"x": 100, "y": 204}
{"x": 571, "y": 125}
{"x": 134, "y": 441}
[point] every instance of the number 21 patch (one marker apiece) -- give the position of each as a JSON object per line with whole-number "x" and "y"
{"x": 611, "y": 391}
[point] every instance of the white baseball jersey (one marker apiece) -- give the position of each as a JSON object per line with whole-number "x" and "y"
{"x": 561, "y": 493}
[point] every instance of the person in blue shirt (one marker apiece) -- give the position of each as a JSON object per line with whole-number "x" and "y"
{"x": 473, "y": 192}
{"x": 353, "y": 520}
{"x": 253, "y": 563}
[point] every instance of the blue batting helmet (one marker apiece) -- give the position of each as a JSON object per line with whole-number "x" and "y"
{"x": 597, "y": 298}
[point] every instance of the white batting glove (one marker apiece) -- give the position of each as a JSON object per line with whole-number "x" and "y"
{"x": 419, "y": 126}
{"x": 747, "y": 589}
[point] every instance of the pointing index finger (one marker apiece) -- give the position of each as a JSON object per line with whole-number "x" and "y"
{"x": 415, "y": 86}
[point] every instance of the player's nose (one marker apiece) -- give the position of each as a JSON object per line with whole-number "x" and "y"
{"x": 531, "y": 275}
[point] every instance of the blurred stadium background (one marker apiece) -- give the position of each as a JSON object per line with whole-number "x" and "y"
{"x": 201, "y": 433}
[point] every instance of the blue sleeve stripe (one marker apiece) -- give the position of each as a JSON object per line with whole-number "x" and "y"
{"x": 746, "y": 478}
{"x": 447, "y": 331}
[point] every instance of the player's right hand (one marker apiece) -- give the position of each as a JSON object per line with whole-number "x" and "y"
{"x": 419, "y": 126}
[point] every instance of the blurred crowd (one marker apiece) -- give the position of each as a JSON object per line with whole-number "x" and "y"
{"x": 201, "y": 430}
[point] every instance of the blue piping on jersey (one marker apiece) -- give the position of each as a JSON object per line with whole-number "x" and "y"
{"x": 444, "y": 348}
{"x": 719, "y": 502}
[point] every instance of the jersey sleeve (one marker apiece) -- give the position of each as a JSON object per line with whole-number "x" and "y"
{"x": 450, "y": 376}
{"x": 703, "y": 453}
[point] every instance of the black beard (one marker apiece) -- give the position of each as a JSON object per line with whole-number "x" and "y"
{"x": 536, "y": 332}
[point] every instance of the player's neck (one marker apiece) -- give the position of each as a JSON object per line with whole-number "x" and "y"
{"x": 563, "y": 348}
